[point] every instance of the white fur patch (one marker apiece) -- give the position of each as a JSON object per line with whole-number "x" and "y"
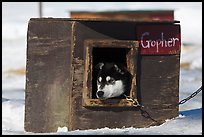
{"x": 112, "y": 90}
{"x": 108, "y": 78}
{"x": 100, "y": 79}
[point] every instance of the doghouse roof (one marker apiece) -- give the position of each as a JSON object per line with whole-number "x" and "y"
{"x": 106, "y": 20}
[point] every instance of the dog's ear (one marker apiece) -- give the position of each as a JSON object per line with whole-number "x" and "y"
{"x": 99, "y": 66}
{"x": 119, "y": 70}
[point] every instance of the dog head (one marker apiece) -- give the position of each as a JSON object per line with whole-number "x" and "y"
{"x": 110, "y": 80}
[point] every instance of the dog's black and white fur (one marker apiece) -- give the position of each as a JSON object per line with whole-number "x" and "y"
{"x": 113, "y": 80}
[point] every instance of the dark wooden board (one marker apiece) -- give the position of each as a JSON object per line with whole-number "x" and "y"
{"x": 48, "y": 72}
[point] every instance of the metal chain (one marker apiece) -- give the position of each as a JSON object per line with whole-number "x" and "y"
{"x": 133, "y": 100}
{"x": 136, "y": 102}
{"x": 145, "y": 114}
{"x": 191, "y": 96}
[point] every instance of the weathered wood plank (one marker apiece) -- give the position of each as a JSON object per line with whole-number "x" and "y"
{"x": 48, "y": 79}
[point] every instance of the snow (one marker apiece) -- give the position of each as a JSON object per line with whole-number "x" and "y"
{"x": 12, "y": 115}
{"x": 194, "y": 57}
{"x": 14, "y": 29}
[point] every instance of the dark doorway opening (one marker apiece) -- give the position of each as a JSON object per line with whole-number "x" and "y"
{"x": 113, "y": 55}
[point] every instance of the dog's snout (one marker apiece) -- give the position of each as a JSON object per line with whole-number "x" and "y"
{"x": 100, "y": 93}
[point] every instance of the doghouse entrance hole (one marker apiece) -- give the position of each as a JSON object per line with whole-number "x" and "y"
{"x": 99, "y": 54}
{"x": 121, "y": 52}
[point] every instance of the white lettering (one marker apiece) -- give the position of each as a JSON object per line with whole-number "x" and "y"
{"x": 142, "y": 40}
{"x": 174, "y": 41}
{"x": 171, "y": 42}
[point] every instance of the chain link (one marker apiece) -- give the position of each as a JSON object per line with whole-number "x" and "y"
{"x": 133, "y": 100}
{"x": 144, "y": 113}
{"x": 191, "y": 96}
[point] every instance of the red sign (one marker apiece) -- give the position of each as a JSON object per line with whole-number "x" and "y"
{"x": 159, "y": 39}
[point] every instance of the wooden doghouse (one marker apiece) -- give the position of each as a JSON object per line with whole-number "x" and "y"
{"x": 60, "y": 82}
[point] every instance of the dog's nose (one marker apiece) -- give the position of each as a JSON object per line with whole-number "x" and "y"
{"x": 100, "y": 93}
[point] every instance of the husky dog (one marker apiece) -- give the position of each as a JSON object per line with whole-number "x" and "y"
{"x": 113, "y": 80}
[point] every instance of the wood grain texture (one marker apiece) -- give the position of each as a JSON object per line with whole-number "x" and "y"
{"x": 48, "y": 79}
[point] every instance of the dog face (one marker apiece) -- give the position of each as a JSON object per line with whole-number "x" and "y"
{"x": 110, "y": 81}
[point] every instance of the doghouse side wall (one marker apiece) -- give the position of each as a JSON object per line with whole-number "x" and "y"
{"x": 48, "y": 81}
{"x": 86, "y": 118}
{"x": 158, "y": 78}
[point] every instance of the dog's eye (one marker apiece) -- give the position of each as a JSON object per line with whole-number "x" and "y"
{"x": 110, "y": 80}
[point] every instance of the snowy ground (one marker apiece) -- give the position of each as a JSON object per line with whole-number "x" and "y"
{"x": 14, "y": 59}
